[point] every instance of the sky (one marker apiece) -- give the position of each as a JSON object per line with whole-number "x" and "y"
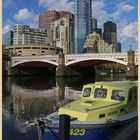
{"x": 122, "y": 12}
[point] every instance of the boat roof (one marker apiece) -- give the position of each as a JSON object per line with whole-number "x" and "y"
{"x": 121, "y": 84}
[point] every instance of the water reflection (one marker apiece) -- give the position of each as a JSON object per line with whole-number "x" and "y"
{"x": 30, "y": 97}
{"x": 25, "y": 98}
{"x": 38, "y": 96}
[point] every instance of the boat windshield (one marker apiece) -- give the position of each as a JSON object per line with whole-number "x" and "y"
{"x": 100, "y": 93}
{"x": 86, "y": 92}
{"x": 118, "y": 95}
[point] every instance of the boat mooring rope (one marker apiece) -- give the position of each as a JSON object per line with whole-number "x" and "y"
{"x": 42, "y": 124}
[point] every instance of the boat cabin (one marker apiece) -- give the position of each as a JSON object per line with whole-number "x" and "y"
{"x": 103, "y": 100}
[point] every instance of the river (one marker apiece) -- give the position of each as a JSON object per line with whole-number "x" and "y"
{"x": 26, "y": 98}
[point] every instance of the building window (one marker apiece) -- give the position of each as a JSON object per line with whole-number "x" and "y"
{"x": 35, "y": 48}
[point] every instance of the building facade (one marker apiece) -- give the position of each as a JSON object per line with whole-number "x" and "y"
{"x": 62, "y": 33}
{"x": 110, "y": 33}
{"x": 31, "y": 50}
{"x": 83, "y": 23}
{"x": 8, "y": 38}
{"x": 95, "y": 27}
{"x": 24, "y": 35}
{"x": 95, "y": 44}
{"x": 94, "y": 23}
{"x": 118, "y": 47}
{"x": 98, "y": 31}
{"x": 46, "y": 18}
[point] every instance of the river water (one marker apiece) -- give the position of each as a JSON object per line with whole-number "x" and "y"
{"x": 26, "y": 98}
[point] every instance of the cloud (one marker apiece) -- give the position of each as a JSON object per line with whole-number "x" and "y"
{"x": 124, "y": 6}
{"x": 130, "y": 31}
{"x": 24, "y": 16}
{"x": 6, "y": 28}
{"x": 99, "y": 13}
{"x": 121, "y": 9}
{"x": 8, "y": 25}
{"x": 57, "y": 5}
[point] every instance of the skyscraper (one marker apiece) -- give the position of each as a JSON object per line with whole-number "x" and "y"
{"x": 95, "y": 27}
{"x": 110, "y": 33}
{"x": 118, "y": 47}
{"x": 45, "y": 20}
{"x": 94, "y": 23}
{"x": 62, "y": 32}
{"x": 83, "y": 22}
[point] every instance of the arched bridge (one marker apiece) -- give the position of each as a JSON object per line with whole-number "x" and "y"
{"x": 50, "y": 59}
{"x": 71, "y": 59}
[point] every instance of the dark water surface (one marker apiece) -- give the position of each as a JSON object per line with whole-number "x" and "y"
{"x": 26, "y": 98}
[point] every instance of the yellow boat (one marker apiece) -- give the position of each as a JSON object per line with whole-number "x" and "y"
{"x": 102, "y": 108}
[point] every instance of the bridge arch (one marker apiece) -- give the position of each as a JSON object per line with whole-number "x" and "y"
{"x": 28, "y": 61}
{"x": 89, "y": 59}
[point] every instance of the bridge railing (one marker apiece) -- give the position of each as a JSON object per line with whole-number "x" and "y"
{"x": 96, "y": 54}
{"x": 35, "y": 57}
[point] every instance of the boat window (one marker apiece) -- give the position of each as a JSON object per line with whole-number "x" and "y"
{"x": 118, "y": 95}
{"x": 122, "y": 110}
{"x": 100, "y": 93}
{"x": 86, "y": 92}
{"x": 101, "y": 115}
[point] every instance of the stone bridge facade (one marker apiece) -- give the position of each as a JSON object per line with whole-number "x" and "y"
{"x": 70, "y": 59}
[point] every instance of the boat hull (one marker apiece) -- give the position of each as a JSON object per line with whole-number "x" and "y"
{"x": 94, "y": 132}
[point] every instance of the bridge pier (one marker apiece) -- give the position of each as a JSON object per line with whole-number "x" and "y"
{"x": 72, "y": 71}
{"x": 60, "y": 70}
{"x": 61, "y": 85}
{"x": 9, "y": 68}
{"x": 131, "y": 67}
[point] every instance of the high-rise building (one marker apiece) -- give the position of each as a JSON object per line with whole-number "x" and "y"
{"x": 45, "y": 20}
{"x": 110, "y": 33}
{"x": 94, "y": 23}
{"x": 8, "y": 38}
{"x": 64, "y": 13}
{"x": 95, "y": 44}
{"x": 95, "y": 27}
{"x": 83, "y": 22}
{"x": 24, "y": 35}
{"x": 118, "y": 47}
{"x": 62, "y": 33}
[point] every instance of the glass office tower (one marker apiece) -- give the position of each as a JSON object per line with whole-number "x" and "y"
{"x": 110, "y": 33}
{"x": 83, "y": 23}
